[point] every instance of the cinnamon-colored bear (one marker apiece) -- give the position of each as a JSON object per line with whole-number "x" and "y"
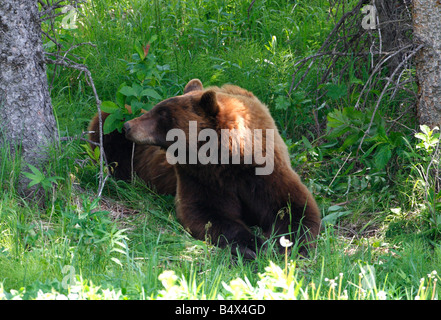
{"x": 232, "y": 167}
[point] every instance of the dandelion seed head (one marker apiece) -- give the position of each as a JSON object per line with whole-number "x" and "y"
{"x": 285, "y": 242}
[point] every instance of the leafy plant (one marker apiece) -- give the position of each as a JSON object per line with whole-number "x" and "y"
{"x": 429, "y": 139}
{"x": 424, "y": 161}
{"x": 38, "y": 177}
{"x": 93, "y": 230}
{"x": 376, "y": 146}
{"x": 141, "y": 94}
{"x": 121, "y": 112}
{"x": 334, "y": 213}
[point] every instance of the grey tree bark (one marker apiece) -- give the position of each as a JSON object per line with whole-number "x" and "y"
{"x": 26, "y": 115}
{"x": 427, "y": 31}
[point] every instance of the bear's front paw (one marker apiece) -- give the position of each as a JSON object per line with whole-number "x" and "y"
{"x": 248, "y": 247}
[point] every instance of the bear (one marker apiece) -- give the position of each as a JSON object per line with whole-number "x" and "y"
{"x": 222, "y": 196}
{"x": 147, "y": 161}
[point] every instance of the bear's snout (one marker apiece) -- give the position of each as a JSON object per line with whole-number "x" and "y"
{"x": 127, "y": 127}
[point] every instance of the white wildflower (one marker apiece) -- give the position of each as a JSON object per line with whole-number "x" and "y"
{"x": 381, "y": 295}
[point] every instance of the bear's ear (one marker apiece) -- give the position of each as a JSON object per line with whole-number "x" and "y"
{"x": 209, "y": 103}
{"x": 193, "y": 85}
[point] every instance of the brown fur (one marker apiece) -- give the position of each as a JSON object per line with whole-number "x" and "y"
{"x": 149, "y": 162}
{"x": 223, "y": 201}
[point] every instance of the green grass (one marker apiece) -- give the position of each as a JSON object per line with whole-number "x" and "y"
{"x": 378, "y": 219}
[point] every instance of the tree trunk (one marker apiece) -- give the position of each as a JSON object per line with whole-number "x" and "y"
{"x": 427, "y": 31}
{"x": 26, "y": 115}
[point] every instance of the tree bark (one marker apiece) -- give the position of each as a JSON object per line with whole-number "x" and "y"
{"x": 27, "y": 122}
{"x": 427, "y": 31}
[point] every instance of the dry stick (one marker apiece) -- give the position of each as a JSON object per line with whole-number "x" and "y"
{"x": 59, "y": 47}
{"x": 63, "y": 61}
{"x": 131, "y": 164}
{"x": 324, "y": 46}
{"x": 80, "y": 137}
{"x": 377, "y": 68}
{"x": 51, "y": 7}
{"x": 384, "y": 90}
{"x": 314, "y": 57}
{"x": 380, "y": 41}
{"x": 250, "y": 7}
{"x": 346, "y": 160}
{"x": 397, "y": 84}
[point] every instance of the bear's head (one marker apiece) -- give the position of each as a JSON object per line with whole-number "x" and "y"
{"x": 225, "y": 125}
{"x": 175, "y": 113}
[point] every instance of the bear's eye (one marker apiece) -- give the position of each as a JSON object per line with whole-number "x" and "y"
{"x": 163, "y": 112}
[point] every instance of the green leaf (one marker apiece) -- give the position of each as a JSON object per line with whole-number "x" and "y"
{"x": 351, "y": 140}
{"x": 353, "y": 114}
{"x": 120, "y": 98}
{"x": 152, "y": 39}
{"x": 136, "y": 107}
{"x": 355, "y": 80}
{"x": 127, "y": 91}
{"x": 109, "y": 107}
{"x": 140, "y": 51}
{"x": 335, "y": 119}
{"x": 96, "y": 154}
{"x": 420, "y": 136}
{"x": 334, "y": 216}
{"x": 138, "y": 89}
{"x": 425, "y": 129}
{"x": 306, "y": 142}
{"x": 33, "y": 182}
{"x": 396, "y": 139}
{"x": 382, "y": 156}
{"x": 111, "y": 123}
{"x": 36, "y": 176}
{"x": 367, "y": 153}
{"x": 150, "y": 93}
{"x": 35, "y": 170}
{"x": 282, "y": 103}
{"x": 338, "y": 131}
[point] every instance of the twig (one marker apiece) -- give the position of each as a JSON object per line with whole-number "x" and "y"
{"x": 250, "y": 7}
{"x": 132, "y": 162}
{"x": 79, "y": 137}
{"x": 341, "y": 167}
{"x": 71, "y": 64}
{"x": 384, "y": 90}
{"x": 377, "y": 68}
